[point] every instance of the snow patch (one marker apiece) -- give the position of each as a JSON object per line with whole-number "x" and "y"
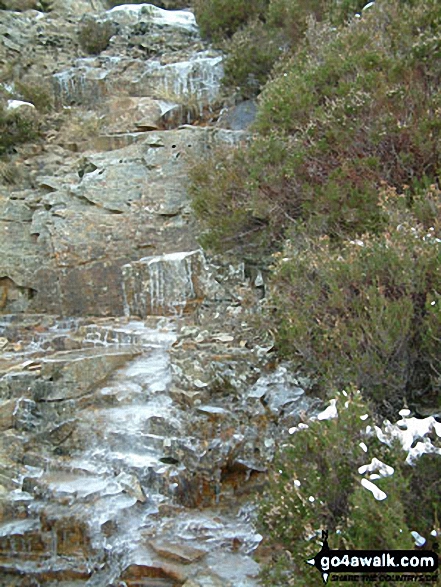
{"x": 14, "y": 104}
{"x": 376, "y": 492}
{"x": 419, "y": 540}
{"x": 408, "y": 431}
{"x": 330, "y": 412}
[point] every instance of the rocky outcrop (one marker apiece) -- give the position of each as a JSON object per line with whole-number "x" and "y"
{"x": 94, "y": 202}
{"x": 170, "y": 284}
{"x": 142, "y": 470}
{"x": 65, "y": 242}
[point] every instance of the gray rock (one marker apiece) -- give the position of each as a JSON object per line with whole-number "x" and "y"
{"x": 239, "y": 117}
{"x": 168, "y": 284}
{"x": 72, "y": 374}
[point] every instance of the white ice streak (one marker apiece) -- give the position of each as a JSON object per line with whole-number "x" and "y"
{"x": 376, "y": 492}
{"x": 363, "y": 447}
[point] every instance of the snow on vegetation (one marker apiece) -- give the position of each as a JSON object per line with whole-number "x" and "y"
{"x": 417, "y": 436}
{"x": 407, "y": 431}
{"x": 17, "y": 104}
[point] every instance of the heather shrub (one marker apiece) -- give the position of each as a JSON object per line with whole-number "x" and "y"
{"x": 16, "y": 128}
{"x": 356, "y": 107}
{"x": 39, "y": 94}
{"x": 314, "y": 485}
{"x": 256, "y": 47}
{"x": 219, "y": 19}
{"x": 367, "y": 311}
{"x": 95, "y": 36}
{"x": 219, "y": 188}
{"x": 251, "y": 55}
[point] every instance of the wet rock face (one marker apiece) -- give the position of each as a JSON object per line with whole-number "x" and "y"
{"x": 129, "y": 449}
{"x": 93, "y": 202}
{"x": 64, "y": 244}
{"x": 13, "y": 297}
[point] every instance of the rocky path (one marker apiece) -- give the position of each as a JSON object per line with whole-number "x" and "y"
{"x": 130, "y": 447}
{"x": 118, "y": 483}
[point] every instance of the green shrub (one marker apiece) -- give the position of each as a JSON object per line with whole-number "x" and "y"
{"x": 424, "y": 513}
{"x": 38, "y": 93}
{"x": 314, "y": 485}
{"x": 251, "y": 55}
{"x": 356, "y": 107}
{"x": 367, "y": 312}
{"x": 219, "y": 188}
{"x": 256, "y": 47}
{"x": 95, "y": 36}
{"x": 218, "y": 19}
{"x": 16, "y": 128}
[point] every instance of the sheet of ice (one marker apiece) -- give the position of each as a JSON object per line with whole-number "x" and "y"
{"x": 18, "y": 527}
{"x": 82, "y": 486}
